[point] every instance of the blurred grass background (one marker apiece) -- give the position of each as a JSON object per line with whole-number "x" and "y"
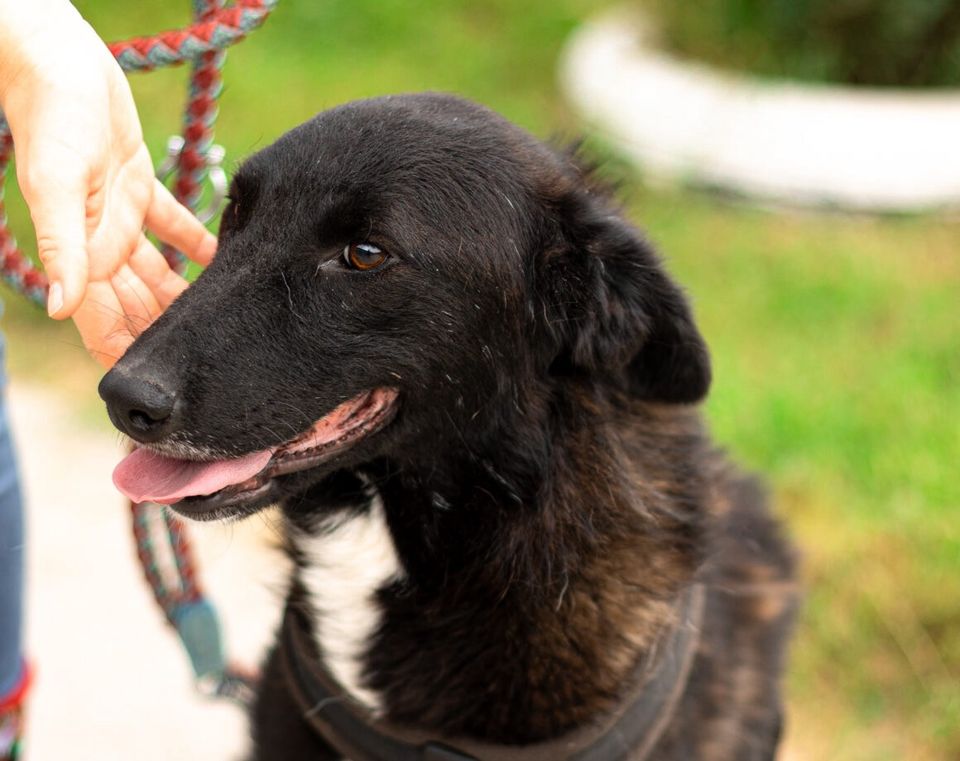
{"x": 835, "y": 341}
{"x": 890, "y": 43}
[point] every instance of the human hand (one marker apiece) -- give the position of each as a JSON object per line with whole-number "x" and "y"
{"x": 87, "y": 177}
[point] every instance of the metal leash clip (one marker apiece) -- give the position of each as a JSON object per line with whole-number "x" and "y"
{"x": 215, "y": 173}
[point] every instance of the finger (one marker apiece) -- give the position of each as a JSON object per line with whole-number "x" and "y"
{"x": 154, "y": 270}
{"x": 102, "y": 324}
{"x": 173, "y": 223}
{"x": 59, "y": 218}
{"x": 137, "y": 302}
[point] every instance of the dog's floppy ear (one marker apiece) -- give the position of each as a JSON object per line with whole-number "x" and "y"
{"x": 614, "y": 310}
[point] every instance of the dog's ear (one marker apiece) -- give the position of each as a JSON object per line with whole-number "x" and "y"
{"x": 614, "y": 311}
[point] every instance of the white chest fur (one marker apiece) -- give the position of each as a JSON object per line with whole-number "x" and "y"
{"x": 348, "y": 560}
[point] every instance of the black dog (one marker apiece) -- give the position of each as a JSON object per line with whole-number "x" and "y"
{"x": 469, "y": 385}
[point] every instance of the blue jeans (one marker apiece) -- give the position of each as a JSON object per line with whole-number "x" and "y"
{"x": 12, "y": 552}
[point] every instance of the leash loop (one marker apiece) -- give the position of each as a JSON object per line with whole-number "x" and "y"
{"x": 216, "y": 27}
{"x": 214, "y": 30}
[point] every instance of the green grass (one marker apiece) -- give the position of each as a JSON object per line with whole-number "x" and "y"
{"x": 835, "y": 342}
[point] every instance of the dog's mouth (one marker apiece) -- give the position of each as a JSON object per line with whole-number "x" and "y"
{"x": 207, "y": 489}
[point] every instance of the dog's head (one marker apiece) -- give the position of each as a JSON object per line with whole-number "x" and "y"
{"x": 391, "y": 275}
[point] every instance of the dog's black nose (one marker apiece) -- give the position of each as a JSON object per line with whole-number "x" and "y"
{"x": 142, "y": 409}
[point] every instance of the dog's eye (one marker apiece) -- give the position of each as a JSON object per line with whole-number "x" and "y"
{"x": 363, "y": 256}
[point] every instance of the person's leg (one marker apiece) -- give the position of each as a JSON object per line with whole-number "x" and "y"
{"x": 13, "y": 672}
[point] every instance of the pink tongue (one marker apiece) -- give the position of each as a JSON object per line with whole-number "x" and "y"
{"x": 145, "y": 476}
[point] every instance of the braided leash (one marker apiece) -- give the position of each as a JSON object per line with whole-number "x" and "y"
{"x": 18, "y": 271}
{"x": 191, "y": 157}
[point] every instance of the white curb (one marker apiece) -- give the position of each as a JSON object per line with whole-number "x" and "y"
{"x": 856, "y": 148}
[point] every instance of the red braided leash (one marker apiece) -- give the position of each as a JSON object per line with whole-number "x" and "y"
{"x": 216, "y": 28}
{"x": 176, "y": 589}
{"x": 19, "y": 272}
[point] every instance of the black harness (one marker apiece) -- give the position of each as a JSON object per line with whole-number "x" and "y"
{"x": 630, "y": 731}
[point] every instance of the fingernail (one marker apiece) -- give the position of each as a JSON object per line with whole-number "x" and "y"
{"x": 54, "y": 299}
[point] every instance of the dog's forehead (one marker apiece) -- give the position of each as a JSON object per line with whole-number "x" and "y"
{"x": 437, "y": 176}
{"x": 408, "y": 143}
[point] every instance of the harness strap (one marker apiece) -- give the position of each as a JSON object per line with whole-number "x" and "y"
{"x": 631, "y": 731}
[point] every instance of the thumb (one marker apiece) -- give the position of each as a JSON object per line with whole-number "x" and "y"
{"x": 59, "y": 218}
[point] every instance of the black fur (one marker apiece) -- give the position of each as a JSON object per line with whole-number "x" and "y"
{"x": 547, "y": 484}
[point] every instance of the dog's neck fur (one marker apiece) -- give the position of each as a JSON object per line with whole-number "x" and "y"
{"x": 517, "y": 613}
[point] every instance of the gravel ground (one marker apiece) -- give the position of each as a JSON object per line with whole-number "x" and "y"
{"x": 112, "y": 680}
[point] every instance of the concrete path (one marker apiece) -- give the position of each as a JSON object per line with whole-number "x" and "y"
{"x": 112, "y": 680}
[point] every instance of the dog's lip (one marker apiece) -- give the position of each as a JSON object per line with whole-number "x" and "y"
{"x": 373, "y": 411}
{"x": 359, "y": 422}
{"x": 232, "y": 502}
{"x": 299, "y": 455}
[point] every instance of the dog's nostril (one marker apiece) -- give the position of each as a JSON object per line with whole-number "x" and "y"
{"x": 141, "y": 408}
{"x": 142, "y": 421}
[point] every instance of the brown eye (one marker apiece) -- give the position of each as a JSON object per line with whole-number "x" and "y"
{"x": 363, "y": 256}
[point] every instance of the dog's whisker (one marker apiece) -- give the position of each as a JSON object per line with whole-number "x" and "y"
{"x": 272, "y": 527}
{"x": 293, "y": 309}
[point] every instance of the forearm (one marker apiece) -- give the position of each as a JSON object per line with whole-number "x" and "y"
{"x": 29, "y": 28}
